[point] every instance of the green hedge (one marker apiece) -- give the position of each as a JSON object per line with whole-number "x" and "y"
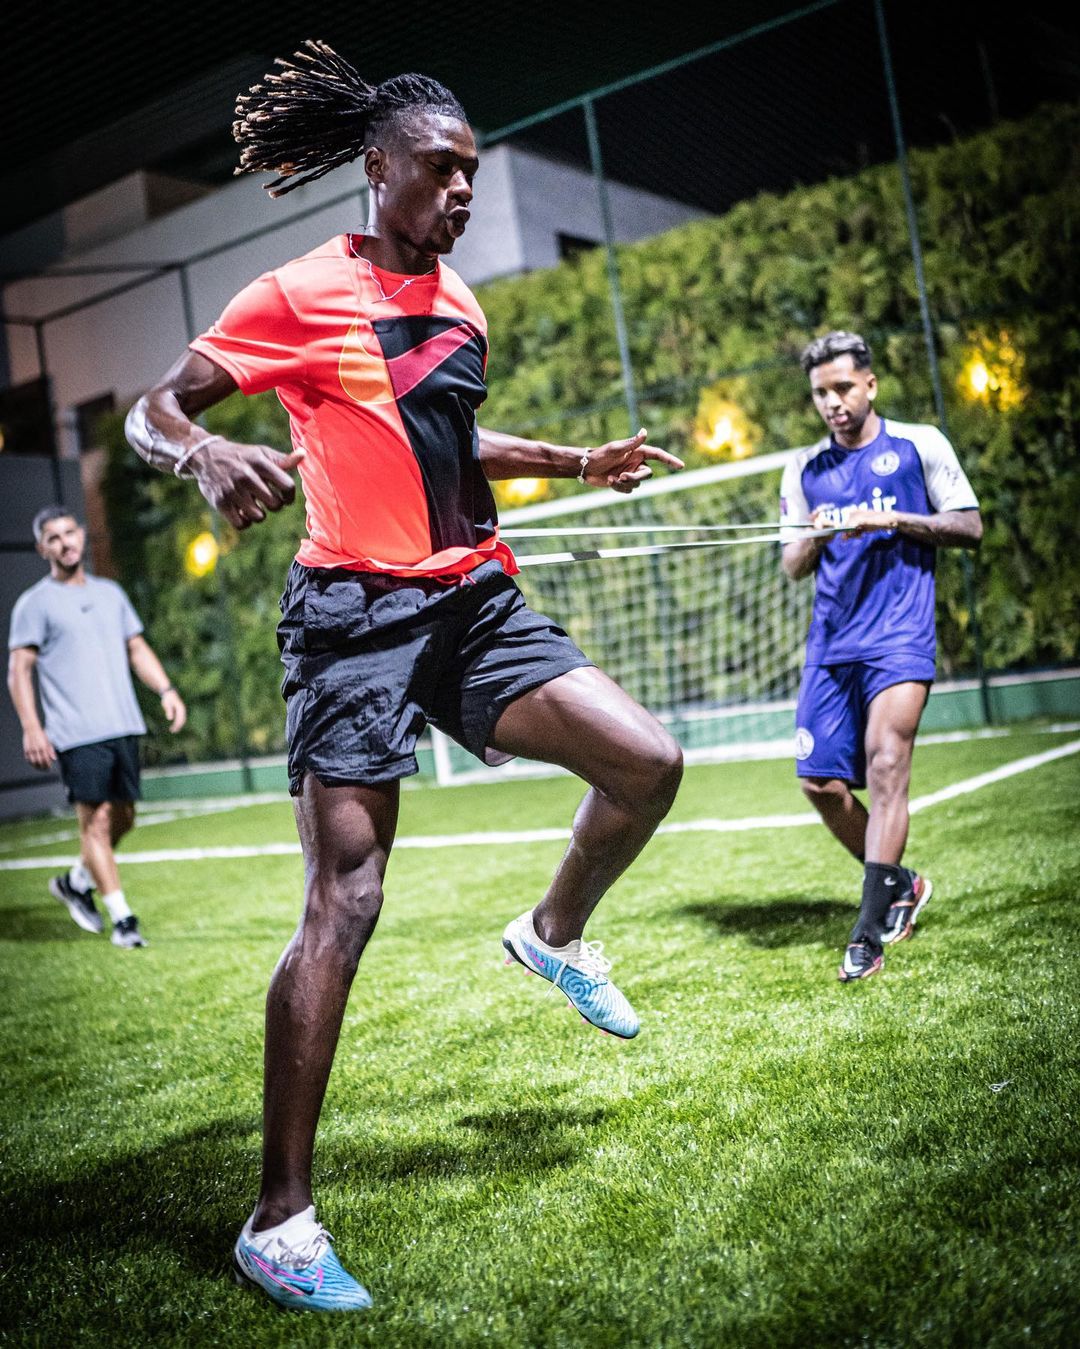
{"x": 725, "y": 305}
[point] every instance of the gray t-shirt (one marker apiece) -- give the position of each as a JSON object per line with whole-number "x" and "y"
{"x": 81, "y": 633}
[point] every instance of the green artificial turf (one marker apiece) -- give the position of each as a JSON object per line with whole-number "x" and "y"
{"x": 776, "y": 1160}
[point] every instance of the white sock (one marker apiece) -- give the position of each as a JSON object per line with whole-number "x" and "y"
{"x": 572, "y": 946}
{"x": 116, "y": 905}
{"x": 80, "y": 878}
{"x": 292, "y": 1232}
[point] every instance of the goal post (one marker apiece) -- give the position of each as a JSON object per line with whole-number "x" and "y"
{"x": 711, "y": 640}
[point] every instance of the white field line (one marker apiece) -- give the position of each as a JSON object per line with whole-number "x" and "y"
{"x": 1007, "y": 770}
{"x": 489, "y": 838}
{"x": 164, "y": 812}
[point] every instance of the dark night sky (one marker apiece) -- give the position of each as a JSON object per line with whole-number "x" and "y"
{"x": 92, "y": 93}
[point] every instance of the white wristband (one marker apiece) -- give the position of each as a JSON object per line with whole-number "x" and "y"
{"x": 584, "y": 466}
{"x": 182, "y": 463}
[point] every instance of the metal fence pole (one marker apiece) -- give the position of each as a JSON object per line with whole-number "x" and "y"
{"x": 221, "y": 588}
{"x": 928, "y": 329}
{"x": 665, "y": 598}
{"x": 612, "y": 266}
{"x": 50, "y": 412}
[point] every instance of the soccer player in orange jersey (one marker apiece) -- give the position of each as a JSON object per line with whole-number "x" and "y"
{"x": 399, "y": 609}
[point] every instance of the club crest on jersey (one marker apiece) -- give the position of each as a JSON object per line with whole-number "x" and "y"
{"x": 884, "y": 464}
{"x": 804, "y": 744}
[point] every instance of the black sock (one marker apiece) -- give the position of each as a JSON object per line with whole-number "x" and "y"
{"x": 883, "y": 885}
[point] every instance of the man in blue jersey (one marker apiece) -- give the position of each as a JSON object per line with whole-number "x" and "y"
{"x": 899, "y": 491}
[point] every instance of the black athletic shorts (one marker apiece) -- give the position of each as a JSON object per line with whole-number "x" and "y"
{"x": 107, "y": 770}
{"x": 370, "y": 660}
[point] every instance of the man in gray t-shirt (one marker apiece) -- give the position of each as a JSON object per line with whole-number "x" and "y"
{"x": 82, "y": 638}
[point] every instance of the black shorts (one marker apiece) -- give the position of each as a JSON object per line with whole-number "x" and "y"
{"x": 107, "y": 770}
{"x": 370, "y": 660}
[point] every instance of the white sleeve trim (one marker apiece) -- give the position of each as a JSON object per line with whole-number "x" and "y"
{"x": 794, "y": 508}
{"x": 947, "y": 486}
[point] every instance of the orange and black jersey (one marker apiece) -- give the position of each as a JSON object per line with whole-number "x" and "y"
{"x": 382, "y": 392}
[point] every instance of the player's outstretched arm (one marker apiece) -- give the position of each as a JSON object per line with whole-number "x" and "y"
{"x": 620, "y": 464}
{"x": 242, "y": 482}
{"x": 943, "y": 529}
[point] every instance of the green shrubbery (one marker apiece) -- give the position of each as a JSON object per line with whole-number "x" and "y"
{"x": 726, "y": 305}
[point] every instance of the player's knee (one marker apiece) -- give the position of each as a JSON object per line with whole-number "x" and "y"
{"x": 96, "y": 823}
{"x": 344, "y": 906}
{"x": 821, "y": 791}
{"x": 887, "y": 768}
{"x": 659, "y": 772}
{"x": 671, "y": 771}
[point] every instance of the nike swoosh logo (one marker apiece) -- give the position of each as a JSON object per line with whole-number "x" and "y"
{"x": 412, "y": 367}
{"x": 303, "y": 1285}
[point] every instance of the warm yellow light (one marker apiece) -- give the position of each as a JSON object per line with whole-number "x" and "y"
{"x": 978, "y": 377}
{"x": 201, "y": 555}
{"x": 994, "y": 372}
{"x": 723, "y": 429}
{"x": 722, "y": 433}
{"x": 520, "y": 491}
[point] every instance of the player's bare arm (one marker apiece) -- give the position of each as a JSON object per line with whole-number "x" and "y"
{"x": 37, "y": 747}
{"x": 800, "y": 559}
{"x": 620, "y": 464}
{"x": 144, "y": 661}
{"x": 944, "y": 529}
{"x": 241, "y": 482}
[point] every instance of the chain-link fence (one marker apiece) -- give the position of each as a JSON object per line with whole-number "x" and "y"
{"x": 836, "y": 167}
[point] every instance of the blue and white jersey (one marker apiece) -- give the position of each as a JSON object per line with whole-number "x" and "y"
{"x": 874, "y": 593}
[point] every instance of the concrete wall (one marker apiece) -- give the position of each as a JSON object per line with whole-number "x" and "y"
{"x": 550, "y": 199}
{"x": 122, "y": 343}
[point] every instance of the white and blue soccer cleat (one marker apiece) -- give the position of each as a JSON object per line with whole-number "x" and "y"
{"x": 579, "y": 971}
{"x": 295, "y": 1265}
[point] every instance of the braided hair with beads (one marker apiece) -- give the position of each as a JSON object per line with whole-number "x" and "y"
{"x": 318, "y": 114}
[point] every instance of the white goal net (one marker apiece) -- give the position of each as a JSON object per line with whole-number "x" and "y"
{"x": 710, "y": 640}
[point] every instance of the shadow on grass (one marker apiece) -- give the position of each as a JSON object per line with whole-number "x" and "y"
{"x": 39, "y": 923}
{"x": 192, "y": 1192}
{"x": 778, "y": 922}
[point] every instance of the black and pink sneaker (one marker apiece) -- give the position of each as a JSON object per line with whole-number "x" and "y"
{"x": 904, "y": 914}
{"x": 861, "y": 960}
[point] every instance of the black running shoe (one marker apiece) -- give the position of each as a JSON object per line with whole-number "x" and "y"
{"x": 904, "y": 914}
{"x": 860, "y": 961}
{"x": 126, "y": 932}
{"x": 79, "y": 903}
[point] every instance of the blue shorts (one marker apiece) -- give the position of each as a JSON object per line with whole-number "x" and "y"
{"x": 370, "y": 660}
{"x": 834, "y": 704}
